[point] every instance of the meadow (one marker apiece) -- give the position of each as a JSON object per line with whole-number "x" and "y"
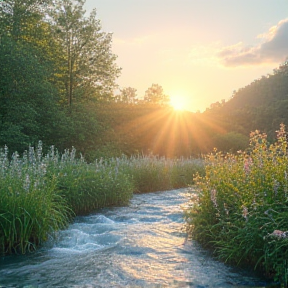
{"x": 41, "y": 194}
{"x": 240, "y": 208}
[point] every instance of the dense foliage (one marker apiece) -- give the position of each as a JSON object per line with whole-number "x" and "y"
{"x": 58, "y": 76}
{"x": 241, "y": 206}
{"x": 262, "y": 105}
{"x": 51, "y": 56}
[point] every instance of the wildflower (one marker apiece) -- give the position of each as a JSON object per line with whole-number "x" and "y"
{"x": 281, "y": 133}
{"x": 26, "y": 184}
{"x": 254, "y": 204}
{"x": 213, "y": 197}
{"x": 247, "y": 164}
{"x": 36, "y": 184}
{"x": 39, "y": 151}
{"x": 279, "y": 234}
{"x": 42, "y": 169}
{"x": 245, "y": 212}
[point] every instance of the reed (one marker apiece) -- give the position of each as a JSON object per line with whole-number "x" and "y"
{"x": 87, "y": 187}
{"x": 152, "y": 173}
{"x": 30, "y": 208}
{"x": 40, "y": 194}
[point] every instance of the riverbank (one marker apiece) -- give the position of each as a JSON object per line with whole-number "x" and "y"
{"x": 143, "y": 244}
{"x": 241, "y": 207}
{"x": 40, "y": 194}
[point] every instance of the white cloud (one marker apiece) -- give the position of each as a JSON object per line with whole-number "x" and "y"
{"x": 273, "y": 49}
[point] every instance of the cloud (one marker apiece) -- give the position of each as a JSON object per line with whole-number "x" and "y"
{"x": 273, "y": 49}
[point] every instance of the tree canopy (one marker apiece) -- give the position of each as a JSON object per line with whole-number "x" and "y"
{"x": 155, "y": 95}
{"x": 57, "y": 84}
{"x": 88, "y": 65}
{"x": 51, "y": 54}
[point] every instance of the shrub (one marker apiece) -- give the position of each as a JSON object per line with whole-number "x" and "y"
{"x": 241, "y": 202}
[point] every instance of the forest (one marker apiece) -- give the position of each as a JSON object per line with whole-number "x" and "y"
{"x": 58, "y": 81}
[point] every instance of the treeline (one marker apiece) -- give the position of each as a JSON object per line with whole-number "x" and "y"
{"x": 157, "y": 130}
{"x": 51, "y": 56}
{"x": 58, "y": 82}
{"x": 56, "y": 63}
{"x": 262, "y": 105}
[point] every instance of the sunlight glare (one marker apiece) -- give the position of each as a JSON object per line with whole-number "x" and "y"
{"x": 178, "y": 103}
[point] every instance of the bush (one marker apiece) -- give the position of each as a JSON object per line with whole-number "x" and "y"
{"x": 241, "y": 202}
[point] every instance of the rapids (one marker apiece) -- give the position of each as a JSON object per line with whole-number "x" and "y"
{"x": 141, "y": 245}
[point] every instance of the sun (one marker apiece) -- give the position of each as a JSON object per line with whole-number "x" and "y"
{"x": 177, "y": 103}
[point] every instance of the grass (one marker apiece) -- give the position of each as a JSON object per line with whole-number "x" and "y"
{"x": 40, "y": 194}
{"x": 153, "y": 173}
{"x": 29, "y": 207}
{"x": 241, "y": 207}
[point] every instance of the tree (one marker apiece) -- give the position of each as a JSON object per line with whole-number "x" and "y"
{"x": 25, "y": 23}
{"x": 19, "y": 18}
{"x": 128, "y": 95}
{"x": 89, "y": 67}
{"x": 155, "y": 95}
{"x": 28, "y": 110}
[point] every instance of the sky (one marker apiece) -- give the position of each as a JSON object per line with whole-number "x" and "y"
{"x": 199, "y": 51}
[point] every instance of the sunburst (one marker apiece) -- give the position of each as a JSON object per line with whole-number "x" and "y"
{"x": 178, "y": 103}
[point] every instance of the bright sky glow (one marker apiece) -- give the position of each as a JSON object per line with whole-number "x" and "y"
{"x": 204, "y": 48}
{"x": 178, "y": 102}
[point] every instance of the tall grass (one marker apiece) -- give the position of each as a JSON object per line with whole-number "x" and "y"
{"x": 87, "y": 187}
{"x": 153, "y": 173}
{"x": 241, "y": 207}
{"x": 30, "y": 208}
{"x": 40, "y": 194}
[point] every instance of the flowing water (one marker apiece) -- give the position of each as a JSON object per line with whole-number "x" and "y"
{"x": 141, "y": 245}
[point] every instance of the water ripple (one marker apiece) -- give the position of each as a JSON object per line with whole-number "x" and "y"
{"x": 141, "y": 245}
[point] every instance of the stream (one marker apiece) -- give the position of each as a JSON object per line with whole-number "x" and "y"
{"x": 141, "y": 245}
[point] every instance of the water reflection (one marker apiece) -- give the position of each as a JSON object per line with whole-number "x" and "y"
{"x": 142, "y": 245}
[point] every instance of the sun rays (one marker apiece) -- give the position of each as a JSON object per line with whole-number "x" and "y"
{"x": 168, "y": 132}
{"x": 178, "y": 103}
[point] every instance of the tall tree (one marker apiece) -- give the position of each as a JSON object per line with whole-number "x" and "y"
{"x": 25, "y": 22}
{"x": 28, "y": 110}
{"x": 155, "y": 95}
{"x": 89, "y": 65}
{"x": 18, "y": 18}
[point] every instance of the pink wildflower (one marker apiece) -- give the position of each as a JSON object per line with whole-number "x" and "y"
{"x": 247, "y": 164}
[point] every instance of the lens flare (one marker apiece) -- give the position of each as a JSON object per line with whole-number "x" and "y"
{"x": 178, "y": 103}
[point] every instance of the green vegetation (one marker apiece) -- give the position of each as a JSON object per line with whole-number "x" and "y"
{"x": 241, "y": 207}
{"x": 41, "y": 193}
{"x": 151, "y": 173}
{"x": 261, "y": 105}
{"x": 57, "y": 82}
